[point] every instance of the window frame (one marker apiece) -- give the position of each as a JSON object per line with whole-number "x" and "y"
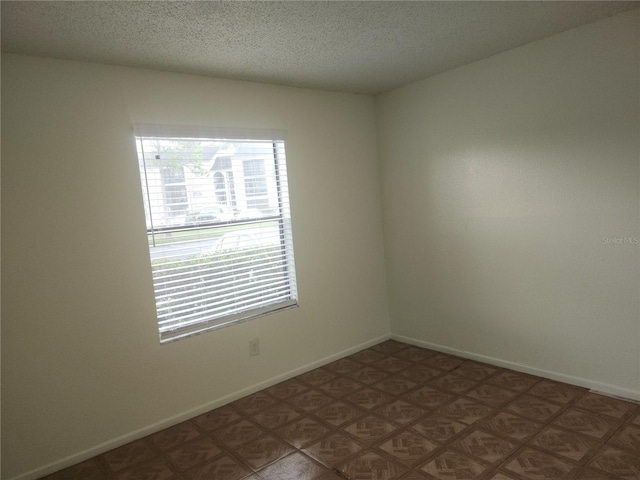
{"x": 284, "y": 273}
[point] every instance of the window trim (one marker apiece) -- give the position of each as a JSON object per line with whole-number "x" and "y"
{"x": 191, "y": 327}
{"x": 222, "y": 133}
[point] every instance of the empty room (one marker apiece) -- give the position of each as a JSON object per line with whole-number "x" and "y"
{"x": 311, "y": 240}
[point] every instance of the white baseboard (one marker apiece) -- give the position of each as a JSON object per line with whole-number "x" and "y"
{"x": 599, "y": 387}
{"x": 168, "y": 422}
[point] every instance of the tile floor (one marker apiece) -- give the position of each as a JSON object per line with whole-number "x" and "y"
{"x": 393, "y": 411}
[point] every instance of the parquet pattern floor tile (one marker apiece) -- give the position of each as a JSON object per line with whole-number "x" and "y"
{"x": 193, "y": 453}
{"x": 156, "y": 469}
{"x": 454, "y": 383}
{"x": 512, "y": 426}
{"x": 262, "y": 451}
{"x": 368, "y": 375}
{"x": 392, "y": 412}
{"x": 485, "y": 446}
{"x": 317, "y": 377}
{"x": 222, "y": 468}
{"x": 451, "y": 465}
{"x": 515, "y": 381}
{"x": 539, "y": 465}
{"x": 275, "y": 416}
{"x": 534, "y": 408}
{"x": 372, "y": 466}
{"x": 128, "y": 455}
{"x": 287, "y": 389}
{"x": 566, "y": 444}
{"x": 217, "y": 418}
{"x": 587, "y": 423}
{"x": 438, "y": 428}
{"x": 602, "y": 405}
{"x": 475, "y": 370}
{"x": 254, "y": 403}
{"x": 617, "y": 463}
{"x": 310, "y": 400}
{"x": 369, "y": 398}
{"x": 444, "y": 362}
{"x": 89, "y": 470}
{"x": 400, "y": 412}
{"x": 408, "y": 447}
{"x": 556, "y": 392}
{"x": 303, "y": 431}
{"x": 392, "y": 364}
{"x": 237, "y": 433}
{"x": 491, "y": 395}
{"x": 370, "y": 428}
{"x": 466, "y": 410}
{"x": 429, "y": 397}
{"x": 420, "y": 373}
{"x": 333, "y": 449}
{"x": 174, "y": 436}
{"x": 341, "y": 386}
{"x": 627, "y": 438}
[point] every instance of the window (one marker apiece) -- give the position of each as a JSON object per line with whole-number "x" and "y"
{"x": 175, "y": 191}
{"x": 218, "y": 226}
{"x": 221, "y": 188}
{"x": 255, "y": 183}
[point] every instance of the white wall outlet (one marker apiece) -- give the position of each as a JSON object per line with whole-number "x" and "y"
{"x": 254, "y": 347}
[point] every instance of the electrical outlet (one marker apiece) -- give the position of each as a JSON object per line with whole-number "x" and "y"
{"x": 254, "y": 347}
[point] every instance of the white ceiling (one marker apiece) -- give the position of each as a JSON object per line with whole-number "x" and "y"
{"x": 351, "y": 46}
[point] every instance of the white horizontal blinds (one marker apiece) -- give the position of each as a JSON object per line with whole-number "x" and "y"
{"x": 184, "y": 131}
{"x": 219, "y": 230}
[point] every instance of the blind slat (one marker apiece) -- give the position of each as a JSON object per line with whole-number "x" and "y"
{"x": 207, "y": 270}
{"x": 247, "y": 300}
{"x": 221, "y": 287}
{"x": 187, "y": 328}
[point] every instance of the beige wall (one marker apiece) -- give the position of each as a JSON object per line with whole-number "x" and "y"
{"x": 82, "y": 366}
{"x": 504, "y": 183}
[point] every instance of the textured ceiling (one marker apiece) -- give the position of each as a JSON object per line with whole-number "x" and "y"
{"x": 362, "y": 47}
